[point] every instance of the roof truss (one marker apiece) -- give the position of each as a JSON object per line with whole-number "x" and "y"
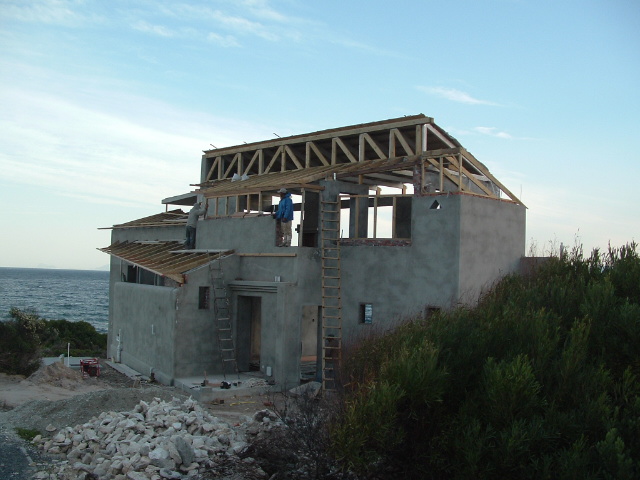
{"x": 383, "y": 153}
{"x": 167, "y": 259}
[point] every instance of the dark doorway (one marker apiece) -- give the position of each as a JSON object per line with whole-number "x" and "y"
{"x": 249, "y": 333}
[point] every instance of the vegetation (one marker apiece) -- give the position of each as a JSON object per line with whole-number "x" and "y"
{"x": 27, "y": 433}
{"x": 27, "y": 337}
{"x": 299, "y": 447}
{"x": 540, "y": 380}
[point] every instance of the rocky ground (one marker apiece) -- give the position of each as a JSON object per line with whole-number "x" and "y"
{"x": 109, "y": 429}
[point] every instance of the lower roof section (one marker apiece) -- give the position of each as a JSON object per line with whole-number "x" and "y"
{"x": 168, "y": 259}
{"x": 165, "y": 219}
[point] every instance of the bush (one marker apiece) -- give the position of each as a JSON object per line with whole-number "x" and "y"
{"x": 540, "y": 380}
{"x": 27, "y": 434}
{"x": 26, "y": 337}
{"x": 297, "y": 445}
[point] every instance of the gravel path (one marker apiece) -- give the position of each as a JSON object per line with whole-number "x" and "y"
{"x": 18, "y": 459}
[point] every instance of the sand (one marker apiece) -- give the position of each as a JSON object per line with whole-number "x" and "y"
{"x": 52, "y": 382}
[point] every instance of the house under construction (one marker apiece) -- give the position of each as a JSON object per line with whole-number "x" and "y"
{"x": 392, "y": 218}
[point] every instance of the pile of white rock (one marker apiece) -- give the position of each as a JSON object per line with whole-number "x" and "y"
{"x": 155, "y": 440}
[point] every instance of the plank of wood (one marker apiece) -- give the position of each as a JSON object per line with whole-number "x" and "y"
{"x": 266, "y": 254}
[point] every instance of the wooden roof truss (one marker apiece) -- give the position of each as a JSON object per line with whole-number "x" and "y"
{"x": 167, "y": 259}
{"x": 165, "y": 219}
{"x": 377, "y": 154}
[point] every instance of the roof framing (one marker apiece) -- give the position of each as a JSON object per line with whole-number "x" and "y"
{"x": 388, "y": 138}
{"x": 165, "y": 219}
{"x": 167, "y": 259}
{"x": 385, "y": 153}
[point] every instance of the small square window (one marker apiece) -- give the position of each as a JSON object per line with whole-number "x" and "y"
{"x": 366, "y": 313}
{"x": 203, "y": 298}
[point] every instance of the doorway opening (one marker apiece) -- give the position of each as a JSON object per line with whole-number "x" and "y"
{"x": 249, "y": 333}
{"x": 309, "y": 329}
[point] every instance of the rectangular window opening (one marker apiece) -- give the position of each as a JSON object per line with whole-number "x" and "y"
{"x": 203, "y": 298}
{"x": 366, "y": 313}
{"x": 378, "y": 216}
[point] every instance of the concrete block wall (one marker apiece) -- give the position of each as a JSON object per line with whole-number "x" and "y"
{"x": 492, "y": 243}
{"x": 455, "y": 250}
{"x": 196, "y": 342}
{"x": 399, "y": 281}
{"x": 144, "y": 318}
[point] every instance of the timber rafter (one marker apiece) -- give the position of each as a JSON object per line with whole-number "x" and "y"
{"x": 388, "y": 153}
{"x": 166, "y": 259}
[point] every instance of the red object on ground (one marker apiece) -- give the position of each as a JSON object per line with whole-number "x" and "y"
{"x": 90, "y": 367}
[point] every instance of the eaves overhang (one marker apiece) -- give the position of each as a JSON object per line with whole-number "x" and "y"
{"x": 167, "y": 259}
{"x": 165, "y": 219}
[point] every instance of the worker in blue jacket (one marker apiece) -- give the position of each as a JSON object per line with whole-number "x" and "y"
{"x": 284, "y": 218}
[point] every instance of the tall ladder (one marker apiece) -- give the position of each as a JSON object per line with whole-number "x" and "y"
{"x": 331, "y": 294}
{"x": 222, "y": 318}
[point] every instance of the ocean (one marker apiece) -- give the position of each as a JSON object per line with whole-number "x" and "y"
{"x": 73, "y": 295}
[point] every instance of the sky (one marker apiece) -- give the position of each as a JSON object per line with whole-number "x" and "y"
{"x": 106, "y": 106}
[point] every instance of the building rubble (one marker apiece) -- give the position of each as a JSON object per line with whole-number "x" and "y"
{"x": 153, "y": 441}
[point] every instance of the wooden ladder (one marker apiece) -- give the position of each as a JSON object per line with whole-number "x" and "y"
{"x": 222, "y": 318}
{"x": 331, "y": 292}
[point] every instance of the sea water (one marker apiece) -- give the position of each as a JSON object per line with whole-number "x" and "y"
{"x": 74, "y": 295}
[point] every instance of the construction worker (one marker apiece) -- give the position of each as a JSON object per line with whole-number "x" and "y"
{"x": 284, "y": 217}
{"x": 197, "y": 210}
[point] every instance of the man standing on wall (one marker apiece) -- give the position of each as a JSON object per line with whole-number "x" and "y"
{"x": 197, "y": 210}
{"x": 284, "y": 217}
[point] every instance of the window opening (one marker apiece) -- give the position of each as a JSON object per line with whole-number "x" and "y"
{"x": 204, "y": 298}
{"x": 132, "y": 274}
{"x": 366, "y": 313}
{"x": 377, "y": 216}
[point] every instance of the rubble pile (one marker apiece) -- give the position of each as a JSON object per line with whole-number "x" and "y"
{"x": 58, "y": 375}
{"x": 156, "y": 440}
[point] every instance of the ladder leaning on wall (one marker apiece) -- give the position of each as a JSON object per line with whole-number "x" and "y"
{"x": 222, "y": 319}
{"x": 331, "y": 292}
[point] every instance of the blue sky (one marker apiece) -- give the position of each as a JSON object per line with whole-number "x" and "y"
{"x": 105, "y": 107}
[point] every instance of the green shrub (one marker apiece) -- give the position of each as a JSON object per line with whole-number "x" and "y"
{"x": 26, "y": 337}
{"x": 540, "y": 380}
{"x": 20, "y": 343}
{"x": 27, "y": 433}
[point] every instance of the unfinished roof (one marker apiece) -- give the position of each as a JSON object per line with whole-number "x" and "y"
{"x": 168, "y": 259}
{"x": 395, "y": 152}
{"x": 165, "y": 219}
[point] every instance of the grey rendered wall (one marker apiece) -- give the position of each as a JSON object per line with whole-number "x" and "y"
{"x": 280, "y": 333}
{"x": 196, "y": 344}
{"x": 492, "y": 242}
{"x": 400, "y": 281}
{"x": 281, "y": 306}
{"x": 467, "y": 243}
{"x": 144, "y": 316}
{"x": 253, "y": 234}
{"x": 281, "y": 301}
{"x": 134, "y": 308}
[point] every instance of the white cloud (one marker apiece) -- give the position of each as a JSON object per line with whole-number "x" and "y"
{"x": 238, "y": 23}
{"x": 492, "y": 132}
{"x": 158, "y": 30}
{"x": 57, "y": 12}
{"x": 223, "y": 40}
{"x": 454, "y": 95}
{"x": 103, "y": 144}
